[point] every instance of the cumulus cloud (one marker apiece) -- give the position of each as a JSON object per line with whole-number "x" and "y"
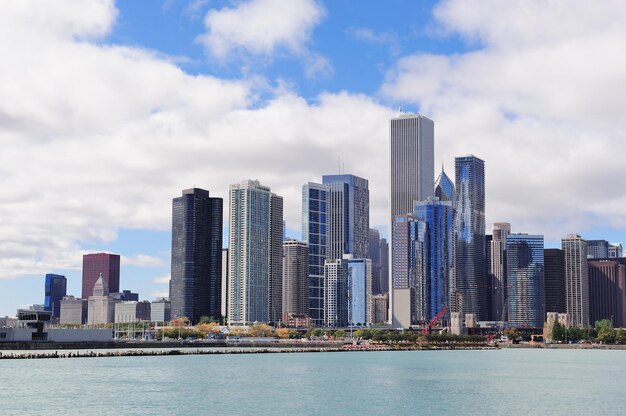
{"x": 261, "y": 27}
{"x": 162, "y": 280}
{"x": 539, "y": 96}
{"x": 97, "y": 137}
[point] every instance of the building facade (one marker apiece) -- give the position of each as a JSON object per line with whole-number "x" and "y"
{"x": 256, "y": 222}
{"x": 525, "y": 276}
{"x": 470, "y": 286}
{"x": 409, "y": 262}
{"x": 55, "y": 290}
{"x": 196, "y": 277}
{"x": 132, "y": 311}
{"x": 576, "y": 280}
{"x": 348, "y": 225}
{"x": 616, "y": 250}
{"x": 597, "y": 249}
{"x": 438, "y": 217}
{"x": 295, "y": 278}
{"x": 607, "y": 294}
{"x": 101, "y": 306}
{"x": 554, "y": 272}
{"x": 73, "y": 311}
{"x": 315, "y": 230}
{"x": 161, "y": 310}
{"x": 100, "y": 263}
{"x": 411, "y": 179}
{"x": 497, "y": 270}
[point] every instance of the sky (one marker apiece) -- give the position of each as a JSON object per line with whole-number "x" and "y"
{"x": 109, "y": 109}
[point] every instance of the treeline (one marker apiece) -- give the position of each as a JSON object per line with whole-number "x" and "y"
{"x": 381, "y": 335}
{"x": 603, "y": 332}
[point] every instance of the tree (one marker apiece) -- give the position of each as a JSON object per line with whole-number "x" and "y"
{"x": 511, "y": 333}
{"x": 261, "y": 330}
{"x": 558, "y": 332}
{"x": 340, "y": 333}
{"x": 282, "y": 333}
{"x": 208, "y": 328}
{"x": 576, "y": 334}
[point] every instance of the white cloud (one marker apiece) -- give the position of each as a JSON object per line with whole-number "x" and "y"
{"x": 97, "y": 137}
{"x": 261, "y": 27}
{"x": 162, "y": 280}
{"x": 540, "y": 98}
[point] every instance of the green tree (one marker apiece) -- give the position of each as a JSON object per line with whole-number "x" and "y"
{"x": 576, "y": 334}
{"x": 340, "y": 333}
{"x": 511, "y": 333}
{"x": 558, "y": 332}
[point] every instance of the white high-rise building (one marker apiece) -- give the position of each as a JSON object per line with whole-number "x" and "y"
{"x": 255, "y": 254}
{"x": 576, "y": 280}
{"x": 411, "y": 172}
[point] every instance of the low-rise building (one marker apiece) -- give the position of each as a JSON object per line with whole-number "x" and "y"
{"x": 132, "y": 311}
{"x": 161, "y": 310}
{"x": 73, "y": 311}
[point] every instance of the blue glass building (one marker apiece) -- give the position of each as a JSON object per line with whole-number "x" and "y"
{"x": 55, "y": 289}
{"x": 438, "y": 217}
{"x": 469, "y": 293}
{"x": 525, "y": 278}
{"x": 444, "y": 188}
{"x": 314, "y": 233}
{"x": 359, "y": 292}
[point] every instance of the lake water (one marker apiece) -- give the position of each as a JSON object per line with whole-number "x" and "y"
{"x": 513, "y": 382}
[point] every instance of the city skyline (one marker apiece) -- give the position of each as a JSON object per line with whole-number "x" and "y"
{"x": 174, "y": 111}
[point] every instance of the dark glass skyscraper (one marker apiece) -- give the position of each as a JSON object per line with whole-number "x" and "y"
{"x": 56, "y": 286}
{"x": 105, "y": 263}
{"x": 196, "y": 282}
{"x": 554, "y": 272}
{"x": 315, "y": 234}
{"x": 597, "y": 249}
{"x": 525, "y": 277}
{"x": 470, "y": 286}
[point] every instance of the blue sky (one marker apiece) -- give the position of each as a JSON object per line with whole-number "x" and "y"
{"x": 108, "y": 109}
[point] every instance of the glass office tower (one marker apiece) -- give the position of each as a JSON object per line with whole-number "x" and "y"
{"x": 469, "y": 293}
{"x": 196, "y": 280}
{"x": 56, "y": 287}
{"x": 438, "y": 217}
{"x": 525, "y": 277}
{"x": 315, "y": 234}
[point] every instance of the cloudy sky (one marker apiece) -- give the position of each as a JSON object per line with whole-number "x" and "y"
{"x": 109, "y": 109}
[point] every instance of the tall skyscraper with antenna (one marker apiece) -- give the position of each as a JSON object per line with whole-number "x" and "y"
{"x": 411, "y": 179}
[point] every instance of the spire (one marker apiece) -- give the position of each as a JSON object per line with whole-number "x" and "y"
{"x": 444, "y": 188}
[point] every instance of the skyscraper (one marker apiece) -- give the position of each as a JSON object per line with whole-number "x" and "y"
{"x": 196, "y": 282}
{"x": 408, "y": 270}
{"x": 55, "y": 290}
{"x": 497, "y": 272}
{"x": 412, "y": 164}
{"x": 383, "y": 283}
{"x": 576, "y": 280}
{"x": 348, "y": 208}
{"x": 607, "y": 292}
{"x": 444, "y": 188}
{"x": 411, "y": 173}
{"x": 347, "y": 292}
{"x": 94, "y": 265}
{"x": 315, "y": 234}
{"x": 597, "y": 249}
{"x": 374, "y": 254}
{"x": 295, "y": 278}
{"x": 554, "y": 272}
{"x": 525, "y": 276}
{"x": 438, "y": 217}
{"x": 256, "y": 218}
{"x": 469, "y": 293}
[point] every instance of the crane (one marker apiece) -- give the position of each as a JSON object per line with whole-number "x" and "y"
{"x": 434, "y": 321}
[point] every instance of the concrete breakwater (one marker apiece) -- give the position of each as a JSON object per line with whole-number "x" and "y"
{"x": 155, "y": 352}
